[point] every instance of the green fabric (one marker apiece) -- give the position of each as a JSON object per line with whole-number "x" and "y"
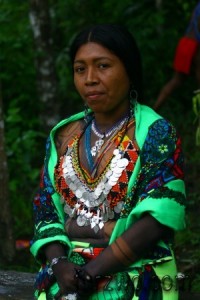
{"x": 38, "y": 244}
{"x": 144, "y": 116}
{"x": 42, "y": 296}
{"x": 168, "y": 209}
{"x": 45, "y": 237}
{"x": 168, "y": 288}
{"x": 119, "y": 288}
{"x": 163, "y": 272}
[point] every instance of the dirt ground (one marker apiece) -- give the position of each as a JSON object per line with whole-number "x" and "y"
{"x": 19, "y": 286}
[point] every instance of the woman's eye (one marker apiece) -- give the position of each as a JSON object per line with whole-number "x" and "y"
{"x": 79, "y": 69}
{"x": 103, "y": 66}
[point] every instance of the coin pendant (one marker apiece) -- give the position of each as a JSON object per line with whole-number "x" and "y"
{"x": 81, "y": 220}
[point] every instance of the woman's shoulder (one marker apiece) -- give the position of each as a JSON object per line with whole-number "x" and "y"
{"x": 68, "y": 120}
{"x": 150, "y": 124}
{"x": 68, "y": 123}
{"x": 151, "y": 118}
{"x": 66, "y": 130}
{"x": 147, "y": 112}
{"x": 69, "y": 129}
{"x": 158, "y": 125}
{"x": 160, "y": 142}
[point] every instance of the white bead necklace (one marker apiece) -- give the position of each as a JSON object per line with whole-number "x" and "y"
{"x": 99, "y": 143}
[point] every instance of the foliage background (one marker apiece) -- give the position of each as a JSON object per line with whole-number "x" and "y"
{"x": 156, "y": 25}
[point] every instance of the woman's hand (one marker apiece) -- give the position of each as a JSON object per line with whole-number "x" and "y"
{"x": 65, "y": 274}
{"x": 71, "y": 278}
{"x": 86, "y": 284}
{"x": 63, "y": 270}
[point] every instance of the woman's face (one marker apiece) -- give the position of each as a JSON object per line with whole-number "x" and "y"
{"x": 101, "y": 79}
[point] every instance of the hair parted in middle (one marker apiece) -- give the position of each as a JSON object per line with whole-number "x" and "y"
{"x": 119, "y": 41}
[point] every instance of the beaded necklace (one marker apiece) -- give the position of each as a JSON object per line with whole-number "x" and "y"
{"x": 120, "y": 133}
{"x": 89, "y": 203}
{"x": 99, "y": 143}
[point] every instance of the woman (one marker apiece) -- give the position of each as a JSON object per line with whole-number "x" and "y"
{"x": 112, "y": 190}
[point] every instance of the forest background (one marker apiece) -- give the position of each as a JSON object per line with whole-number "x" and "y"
{"x": 36, "y": 90}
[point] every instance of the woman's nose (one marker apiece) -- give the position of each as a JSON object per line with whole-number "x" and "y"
{"x": 91, "y": 77}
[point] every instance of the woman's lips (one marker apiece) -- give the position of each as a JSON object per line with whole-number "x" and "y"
{"x": 93, "y": 95}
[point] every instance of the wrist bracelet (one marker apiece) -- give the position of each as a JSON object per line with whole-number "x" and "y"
{"x": 69, "y": 297}
{"x": 55, "y": 260}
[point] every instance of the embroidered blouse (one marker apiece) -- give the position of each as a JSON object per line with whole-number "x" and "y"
{"x": 155, "y": 185}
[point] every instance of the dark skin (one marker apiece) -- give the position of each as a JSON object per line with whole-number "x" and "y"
{"x": 97, "y": 73}
{"x": 103, "y": 84}
{"x": 64, "y": 270}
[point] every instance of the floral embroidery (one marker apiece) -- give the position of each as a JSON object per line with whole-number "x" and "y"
{"x": 157, "y": 169}
{"x": 163, "y": 148}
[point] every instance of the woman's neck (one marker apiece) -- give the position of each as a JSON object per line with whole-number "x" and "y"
{"x": 104, "y": 121}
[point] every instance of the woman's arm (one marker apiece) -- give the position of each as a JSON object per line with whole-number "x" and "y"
{"x": 159, "y": 194}
{"x": 128, "y": 248}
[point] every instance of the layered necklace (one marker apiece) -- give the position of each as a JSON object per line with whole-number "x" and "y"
{"x": 109, "y": 133}
{"x": 91, "y": 206}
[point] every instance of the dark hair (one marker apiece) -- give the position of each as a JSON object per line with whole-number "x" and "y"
{"x": 118, "y": 40}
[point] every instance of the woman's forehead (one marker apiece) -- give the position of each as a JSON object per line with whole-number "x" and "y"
{"x": 93, "y": 50}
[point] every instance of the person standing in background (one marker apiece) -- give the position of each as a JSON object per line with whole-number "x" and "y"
{"x": 186, "y": 62}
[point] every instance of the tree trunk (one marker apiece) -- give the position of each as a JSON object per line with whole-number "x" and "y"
{"x": 158, "y": 4}
{"x": 7, "y": 246}
{"x": 45, "y": 66}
